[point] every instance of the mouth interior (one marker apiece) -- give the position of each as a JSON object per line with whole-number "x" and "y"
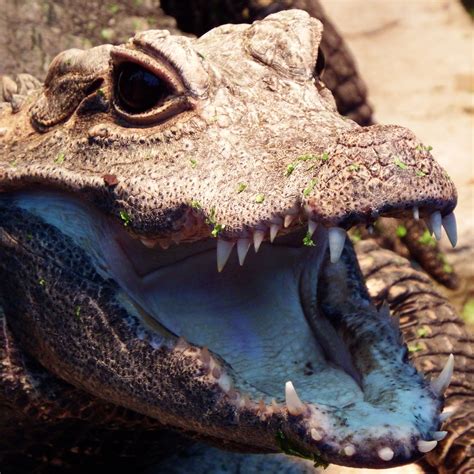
{"x": 253, "y": 316}
{"x": 287, "y": 314}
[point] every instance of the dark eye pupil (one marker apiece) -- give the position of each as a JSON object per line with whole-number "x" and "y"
{"x": 138, "y": 89}
{"x": 320, "y": 63}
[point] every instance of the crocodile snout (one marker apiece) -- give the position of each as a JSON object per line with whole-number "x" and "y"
{"x": 379, "y": 170}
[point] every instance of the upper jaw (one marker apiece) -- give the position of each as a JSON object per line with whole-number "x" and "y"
{"x": 359, "y": 175}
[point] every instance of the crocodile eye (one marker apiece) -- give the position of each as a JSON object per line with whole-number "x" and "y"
{"x": 138, "y": 89}
{"x": 320, "y": 63}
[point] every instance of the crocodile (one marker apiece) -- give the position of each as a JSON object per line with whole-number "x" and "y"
{"x": 117, "y": 192}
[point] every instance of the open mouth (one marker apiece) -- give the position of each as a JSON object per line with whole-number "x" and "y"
{"x": 284, "y": 333}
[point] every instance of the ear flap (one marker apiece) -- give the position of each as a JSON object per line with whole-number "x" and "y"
{"x": 287, "y": 41}
{"x": 72, "y": 76}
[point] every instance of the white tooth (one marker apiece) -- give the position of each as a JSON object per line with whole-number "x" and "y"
{"x": 385, "y": 454}
{"x": 416, "y": 213}
{"x": 337, "y": 237}
{"x": 440, "y": 384}
{"x": 315, "y": 435}
{"x": 428, "y": 224}
{"x": 435, "y": 221}
{"x": 150, "y": 243}
{"x": 349, "y": 450}
{"x": 445, "y": 415}
{"x": 449, "y": 224}
{"x": 243, "y": 246}
{"x": 311, "y": 227}
{"x": 370, "y": 229}
{"x": 225, "y": 382}
{"x": 258, "y": 237}
{"x": 439, "y": 435}
{"x": 274, "y": 228}
{"x": 426, "y": 446}
{"x": 224, "y": 247}
{"x": 293, "y": 403}
{"x": 288, "y": 220}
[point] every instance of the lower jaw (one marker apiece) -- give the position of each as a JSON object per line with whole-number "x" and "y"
{"x": 357, "y": 400}
{"x": 380, "y": 422}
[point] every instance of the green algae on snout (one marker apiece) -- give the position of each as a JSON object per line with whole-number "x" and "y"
{"x": 308, "y": 241}
{"x": 125, "y": 218}
{"x": 241, "y": 187}
{"x": 401, "y": 231}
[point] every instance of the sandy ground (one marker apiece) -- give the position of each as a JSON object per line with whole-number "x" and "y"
{"x": 417, "y": 58}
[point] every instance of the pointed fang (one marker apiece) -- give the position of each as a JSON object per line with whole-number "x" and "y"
{"x": 243, "y": 246}
{"x": 224, "y": 248}
{"x": 441, "y": 383}
{"x": 311, "y": 227}
{"x": 293, "y": 403}
{"x": 435, "y": 221}
{"x": 149, "y": 243}
{"x": 274, "y": 228}
{"x": 445, "y": 415}
{"x": 289, "y": 218}
{"x": 416, "y": 213}
{"x": 449, "y": 224}
{"x": 349, "y": 450}
{"x": 315, "y": 435}
{"x": 385, "y": 454}
{"x": 439, "y": 435}
{"x": 258, "y": 237}
{"x": 337, "y": 237}
{"x": 426, "y": 446}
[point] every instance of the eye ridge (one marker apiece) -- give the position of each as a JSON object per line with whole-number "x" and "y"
{"x": 138, "y": 89}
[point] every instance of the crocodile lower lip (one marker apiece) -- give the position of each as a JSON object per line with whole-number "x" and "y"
{"x": 290, "y": 342}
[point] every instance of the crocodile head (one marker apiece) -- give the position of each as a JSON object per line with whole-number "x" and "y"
{"x": 136, "y": 165}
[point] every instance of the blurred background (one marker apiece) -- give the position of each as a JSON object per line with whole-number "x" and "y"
{"x": 416, "y": 56}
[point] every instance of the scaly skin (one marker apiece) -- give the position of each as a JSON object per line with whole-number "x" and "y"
{"x": 342, "y": 78}
{"x": 340, "y": 75}
{"x": 412, "y": 239}
{"x": 430, "y": 327}
{"x": 247, "y": 110}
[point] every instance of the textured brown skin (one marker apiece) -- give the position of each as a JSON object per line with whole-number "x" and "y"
{"x": 38, "y": 44}
{"x": 341, "y": 75}
{"x": 373, "y": 136}
{"x": 414, "y": 245}
{"x": 56, "y": 407}
{"x": 92, "y": 137}
{"x": 49, "y": 426}
{"x": 430, "y": 326}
